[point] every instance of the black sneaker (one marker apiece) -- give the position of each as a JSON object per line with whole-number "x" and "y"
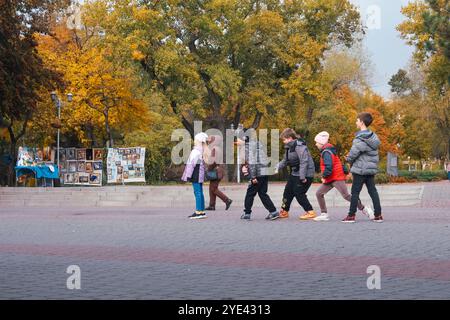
{"x": 210, "y": 208}
{"x": 273, "y": 216}
{"x": 245, "y": 216}
{"x": 196, "y": 215}
{"x": 228, "y": 204}
{"x": 378, "y": 219}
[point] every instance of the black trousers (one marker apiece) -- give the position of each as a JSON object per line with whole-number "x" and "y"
{"x": 296, "y": 188}
{"x": 358, "y": 182}
{"x": 259, "y": 189}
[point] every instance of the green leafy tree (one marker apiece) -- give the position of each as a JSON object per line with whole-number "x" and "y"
{"x": 400, "y": 83}
{"x": 228, "y": 61}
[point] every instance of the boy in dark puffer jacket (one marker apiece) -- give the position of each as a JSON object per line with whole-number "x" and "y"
{"x": 298, "y": 158}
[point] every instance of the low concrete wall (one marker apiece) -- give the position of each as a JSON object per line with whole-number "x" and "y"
{"x": 179, "y": 196}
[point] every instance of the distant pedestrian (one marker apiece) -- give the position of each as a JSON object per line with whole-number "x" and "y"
{"x": 216, "y": 171}
{"x": 194, "y": 172}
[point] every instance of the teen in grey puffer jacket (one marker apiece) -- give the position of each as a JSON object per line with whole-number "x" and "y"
{"x": 363, "y": 155}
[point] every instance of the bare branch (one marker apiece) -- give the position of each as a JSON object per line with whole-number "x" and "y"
{"x": 257, "y": 120}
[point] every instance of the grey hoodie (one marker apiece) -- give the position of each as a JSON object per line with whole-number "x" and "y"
{"x": 298, "y": 157}
{"x": 363, "y": 155}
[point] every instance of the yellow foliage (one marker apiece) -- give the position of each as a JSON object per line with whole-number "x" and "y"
{"x": 99, "y": 87}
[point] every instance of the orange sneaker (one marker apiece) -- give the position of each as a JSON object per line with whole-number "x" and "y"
{"x": 284, "y": 214}
{"x": 308, "y": 215}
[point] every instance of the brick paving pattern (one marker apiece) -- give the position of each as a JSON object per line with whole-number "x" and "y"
{"x": 151, "y": 253}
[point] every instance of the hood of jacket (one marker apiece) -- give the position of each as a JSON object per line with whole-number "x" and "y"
{"x": 295, "y": 143}
{"x": 369, "y": 137}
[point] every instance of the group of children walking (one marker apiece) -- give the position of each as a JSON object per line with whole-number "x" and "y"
{"x": 363, "y": 158}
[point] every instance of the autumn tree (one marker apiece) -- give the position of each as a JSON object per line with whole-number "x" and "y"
{"x": 428, "y": 30}
{"x": 22, "y": 72}
{"x": 104, "y": 94}
{"x": 411, "y": 106}
{"x": 228, "y": 61}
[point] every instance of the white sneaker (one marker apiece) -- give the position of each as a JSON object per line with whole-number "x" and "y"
{"x": 368, "y": 211}
{"x": 322, "y": 217}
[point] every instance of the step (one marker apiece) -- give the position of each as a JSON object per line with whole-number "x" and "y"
{"x": 4, "y": 204}
{"x": 53, "y": 203}
{"x": 114, "y": 203}
{"x": 119, "y": 197}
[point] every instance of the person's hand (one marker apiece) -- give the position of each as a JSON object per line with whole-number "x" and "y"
{"x": 254, "y": 181}
{"x": 323, "y": 180}
{"x": 276, "y": 169}
{"x": 304, "y": 180}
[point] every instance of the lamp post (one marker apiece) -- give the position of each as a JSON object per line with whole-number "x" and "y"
{"x": 58, "y": 104}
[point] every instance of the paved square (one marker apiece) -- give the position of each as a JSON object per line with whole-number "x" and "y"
{"x": 157, "y": 253}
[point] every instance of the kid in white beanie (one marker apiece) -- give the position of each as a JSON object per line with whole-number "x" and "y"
{"x": 322, "y": 137}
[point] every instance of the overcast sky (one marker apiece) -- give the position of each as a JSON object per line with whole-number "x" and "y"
{"x": 387, "y": 51}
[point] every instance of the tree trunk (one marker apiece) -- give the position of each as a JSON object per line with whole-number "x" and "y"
{"x": 11, "y": 171}
{"x": 257, "y": 120}
{"x": 108, "y": 129}
{"x": 91, "y": 135}
{"x": 13, "y": 148}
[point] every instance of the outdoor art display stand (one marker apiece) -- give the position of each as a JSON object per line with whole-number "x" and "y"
{"x": 81, "y": 166}
{"x": 35, "y": 167}
{"x": 36, "y": 176}
{"x": 126, "y": 165}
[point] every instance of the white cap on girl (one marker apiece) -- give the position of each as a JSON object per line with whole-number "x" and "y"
{"x": 201, "y": 137}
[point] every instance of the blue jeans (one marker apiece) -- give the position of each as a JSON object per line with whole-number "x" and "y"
{"x": 199, "y": 197}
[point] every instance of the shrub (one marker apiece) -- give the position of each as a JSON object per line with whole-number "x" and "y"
{"x": 398, "y": 180}
{"x": 382, "y": 178}
{"x": 423, "y": 175}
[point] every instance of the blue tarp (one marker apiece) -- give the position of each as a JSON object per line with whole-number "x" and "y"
{"x": 40, "y": 172}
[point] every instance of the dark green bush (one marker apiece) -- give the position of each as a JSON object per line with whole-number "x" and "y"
{"x": 423, "y": 175}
